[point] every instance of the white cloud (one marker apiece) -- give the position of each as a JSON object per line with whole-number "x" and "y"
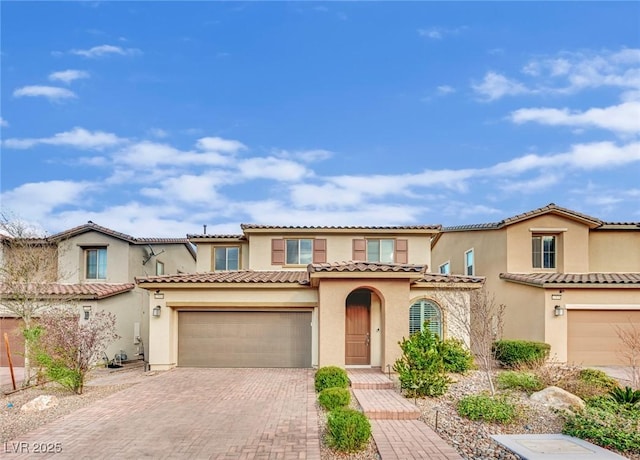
{"x": 307, "y": 156}
{"x": 78, "y": 138}
{"x": 105, "y": 50}
{"x": 494, "y": 86}
{"x": 35, "y": 200}
{"x": 272, "y": 168}
{"x": 218, "y": 144}
{"x": 146, "y": 154}
{"x": 446, "y": 89}
{"x": 4, "y": 123}
{"x": 157, "y": 132}
{"x": 623, "y": 118}
{"x": 438, "y": 33}
{"x": 68, "y": 76}
{"x": 532, "y": 185}
{"x": 189, "y": 188}
{"x": 53, "y": 93}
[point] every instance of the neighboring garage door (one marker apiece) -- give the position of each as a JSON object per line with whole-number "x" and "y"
{"x": 12, "y": 326}
{"x": 244, "y": 339}
{"x": 592, "y": 335}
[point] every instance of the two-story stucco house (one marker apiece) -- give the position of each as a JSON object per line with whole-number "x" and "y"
{"x": 566, "y": 278}
{"x": 292, "y": 296}
{"x": 95, "y": 270}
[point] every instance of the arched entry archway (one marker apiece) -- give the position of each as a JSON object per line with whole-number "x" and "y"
{"x": 358, "y": 328}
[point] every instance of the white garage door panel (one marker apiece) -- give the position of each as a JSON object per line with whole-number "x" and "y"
{"x": 244, "y": 339}
{"x": 592, "y": 336}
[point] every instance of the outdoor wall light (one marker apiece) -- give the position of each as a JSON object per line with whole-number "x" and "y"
{"x": 87, "y": 311}
{"x": 558, "y": 310}
{"x": 158, "y": 294}
{"x": 156, "y": 311}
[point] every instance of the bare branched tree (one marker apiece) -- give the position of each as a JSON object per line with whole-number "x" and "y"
{"x": 28, "y": 268}
{"x": 629, "y": 336}
{"x": 480, "y": 318}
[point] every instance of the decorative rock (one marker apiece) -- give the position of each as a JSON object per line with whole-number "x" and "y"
{"x": 40, "y": 403}
{"x": 558, "y": 399}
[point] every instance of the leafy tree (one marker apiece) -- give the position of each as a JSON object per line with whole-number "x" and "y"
{"x": 67, "y": 347}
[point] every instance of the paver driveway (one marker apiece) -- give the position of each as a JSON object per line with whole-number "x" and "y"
{"x": 193, "y": 413}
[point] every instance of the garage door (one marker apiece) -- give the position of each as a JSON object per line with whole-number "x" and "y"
{"x": 592, "y": 335}
{"x": 12, "y": 326}
{"x": 244, "y": 339}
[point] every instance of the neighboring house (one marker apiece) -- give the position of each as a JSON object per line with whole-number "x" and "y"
{"x": 300, "y": 297}
{"x": 95, "y": 270}
{"x": 566, "y": 278}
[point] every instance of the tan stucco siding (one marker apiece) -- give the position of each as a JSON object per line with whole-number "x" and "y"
{"x": 72, "y": 264}
{"x": 614, "y": 251}
{"x": 489, "y": 247}
{"x": 524, "y": 316}
{"x": 339, "y": 248}
{"x": 572, "y": 244}
{"x": 454, "y": 306}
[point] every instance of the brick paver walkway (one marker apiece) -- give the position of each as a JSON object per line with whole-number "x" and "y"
{"x": 192, "y": 413}
{"x": 397, "y": 433}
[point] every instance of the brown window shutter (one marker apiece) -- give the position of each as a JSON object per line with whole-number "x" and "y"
{"x": 402, "y": 252}
{"x": 277, "y": 252}
{"x": 319, "y": 251}
{"x": 360, "y": 250}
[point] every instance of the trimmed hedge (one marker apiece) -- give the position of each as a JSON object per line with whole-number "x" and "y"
{"x": 331, "y": 377}
{"x": 348, "y": 430}
{"x": 516, "y": 353}
{"x": 332, "y": 398}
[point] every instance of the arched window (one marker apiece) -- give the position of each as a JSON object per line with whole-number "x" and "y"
{"x": 425, "y": 310}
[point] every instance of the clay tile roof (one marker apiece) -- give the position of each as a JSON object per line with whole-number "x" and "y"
{"x": 89, "y": 226}
{"x": 230, "y": 237}
{"x": 439, "y": 278}
{"x": 364, "y": 267}
{"x": 569, "y": 279}
{"x": 551, "y": 207}
{"x": 345, "y": 227}
{"x": 242, "y": 276}
{"x": 85, "y": 291}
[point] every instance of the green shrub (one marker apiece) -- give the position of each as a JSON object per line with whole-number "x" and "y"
{"x": 457, "y": 358}
{"x": 516, "y": 380}
{"x": 597, "y": 378}
{"x": 484, "y": 407}
{"x": 348, "y": 430}
{"x": 332, "y": 398}
{"x": 331, "y": 377}
{"x": 606, "y": 426}
{"x": 521, "y": 353}
{"x": 421, "y": 369}
{"x": 626, "y": 395}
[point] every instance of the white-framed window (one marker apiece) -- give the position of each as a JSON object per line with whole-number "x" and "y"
{"x": 227, "y": 258}
{"x": 445, "y": 268}
{"x": 380, "y": 251}
{"x": 425, "y": 310}
{"x": 469, "y": 263}
{"x": 95, "y": 263}
{"x": 299, "y": 252}
{"x": 159, "y": 268}
{"x": 544, "y": 251}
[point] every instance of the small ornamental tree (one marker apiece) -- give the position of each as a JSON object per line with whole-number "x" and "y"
{"x": 67, "y": 347}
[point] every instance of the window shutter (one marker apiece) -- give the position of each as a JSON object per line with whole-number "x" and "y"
{"x": 277, "y": 252}
{"x": 402, "y": 252}
{"x": 360, "y": 250}
{"x": 319, "y": 251}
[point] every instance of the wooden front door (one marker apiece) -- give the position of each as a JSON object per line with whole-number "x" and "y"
{"x": 357, "y": 338}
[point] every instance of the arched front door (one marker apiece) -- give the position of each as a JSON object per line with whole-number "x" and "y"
{"x": 358, "y": 328}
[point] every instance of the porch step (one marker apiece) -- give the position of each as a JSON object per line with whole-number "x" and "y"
{"x": 409, "y": 440}
{"x": 369, "y": 379}
{"x": 386, "y": 405}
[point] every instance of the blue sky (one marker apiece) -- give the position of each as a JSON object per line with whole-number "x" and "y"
{"x": 154, "y": 118}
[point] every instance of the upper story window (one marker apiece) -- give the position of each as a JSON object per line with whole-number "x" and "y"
{"x": 380, "y": 251}
{"x": 299, "y": 252}
{"x": 543, "y": 251}
{"x": 227, "y": 258}
{"x": 469, "y": 263}
{"x": 445, "y": 268}
{"x": 425, "y": 310}
{"x": 96, "y": 263}
{"x": 387, "y": 250}
{"x": 159, "y": 268}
